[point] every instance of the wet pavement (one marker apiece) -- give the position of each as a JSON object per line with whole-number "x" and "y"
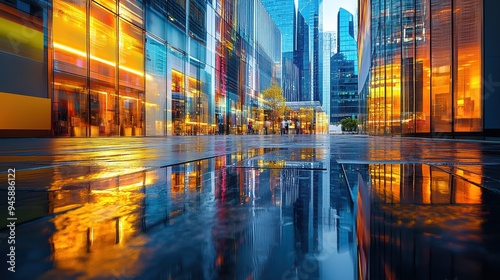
{"x": 251, "y": 207}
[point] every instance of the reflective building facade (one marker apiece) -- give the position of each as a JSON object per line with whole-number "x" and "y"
{"x": 329, "y": 48}
{"x": 432, "y": 67}
{"x": 132, "y": 67}
{"x": 345, "y": 100}
{"x": 302, "y": 58}
{"x": 284, "y": 14}
{"x": 313, "y": 16}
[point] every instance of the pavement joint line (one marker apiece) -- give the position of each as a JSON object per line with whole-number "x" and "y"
{"x": 341, "y": 161}
{"x": 287, "y": 168}
{"x": 351, "y": 195}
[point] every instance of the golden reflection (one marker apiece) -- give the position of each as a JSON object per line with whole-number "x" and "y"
{"x": 84, "y": 174}
{"x": 422, "y": 184}
{"x": 465, "y": 219}
{"x": 440, "y": 186}
{"x": 102, "y": 233}
{"x": 432, "y": 201}
{"x": 472, "y": 173}
{"x": 386, "y": 181}
{"x": 467, "y": 193}
{"x": 82, "y": 54}
{"x": 426, "y": 184}
{"x": 177, "y": 180}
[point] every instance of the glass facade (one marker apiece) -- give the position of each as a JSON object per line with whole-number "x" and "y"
{"x": 313, "y": 16}
{"x": 329, "y": 49}
{"x": 344, "y": 71}
{"x": 426, "y": 67}
{"x": 284, "y": 14}
{"x": 134, "y": 68}
{"x": 302, "y": 58}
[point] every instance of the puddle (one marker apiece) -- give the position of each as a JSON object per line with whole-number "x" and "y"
{"x": 262, "y": 214}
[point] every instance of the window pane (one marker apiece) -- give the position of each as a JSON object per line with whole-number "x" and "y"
{"x": 131, "y": 111}
{"x": 131, "y": 49}
{"x": 103, "y": 109}
{"x": 70, "y": 109}
{"x": 393, "y": 72}
{"x": 69, "y": 33}
{"x": 408, "y": 67}
{"x": 110, "y": 4}
{"x": 103, "y": 97}
{"x": 156, "y": 87}
{"x": 102, "y": 44}
{"x": 131, "y": 79}
{"x": 175, "y": 68}
{"x": 132, "y": 10}
{"x": 422, "y": 67}
{"x": 467, "y": 85}
{"x": 441, "y": 65}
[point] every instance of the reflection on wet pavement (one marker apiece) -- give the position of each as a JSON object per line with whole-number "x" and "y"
{"x": 269, "y": 213}
{"x": 428, "y": 222}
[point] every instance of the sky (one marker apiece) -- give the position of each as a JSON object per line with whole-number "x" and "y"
{"x": 331, "y": 9}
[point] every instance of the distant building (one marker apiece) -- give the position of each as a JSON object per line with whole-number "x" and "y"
{"x": 329, "y": 48}
{"x": 284, "y": 15}
{"x": 344, "y": 100}
{"x": 313, "y": 16}
{"x": 302, "y": 58}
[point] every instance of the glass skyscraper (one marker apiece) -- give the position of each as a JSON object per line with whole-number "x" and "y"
{"x": 284, "y": 14}
{"x": 313, "y": 16}
{"x": 93, "y": 68}
{"x": 329, "y": 48}
{"x": 432, "y": 67}
{"x": 344, "y": 71}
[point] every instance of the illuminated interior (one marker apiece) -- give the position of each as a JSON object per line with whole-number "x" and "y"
{"x": 427, "y": 88}
{"x": 74, "y": 115}
{"x": 178, "y": 102}
{"x": 99, "y": 58}
{"x": 78, "y": 232}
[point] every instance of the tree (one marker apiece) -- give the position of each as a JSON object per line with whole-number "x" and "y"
{"x": 274, "y": 102}
{"x": 349, "y": 124}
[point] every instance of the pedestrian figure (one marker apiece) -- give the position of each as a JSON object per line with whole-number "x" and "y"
{"x": 250, "y": 129}
{"x": 287, "y": 126}
{"x": 267, "y": 124}
{"x": 297, "y": 127}
{"x": 283, "y": 127}
{"x": 221, "y": 124}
